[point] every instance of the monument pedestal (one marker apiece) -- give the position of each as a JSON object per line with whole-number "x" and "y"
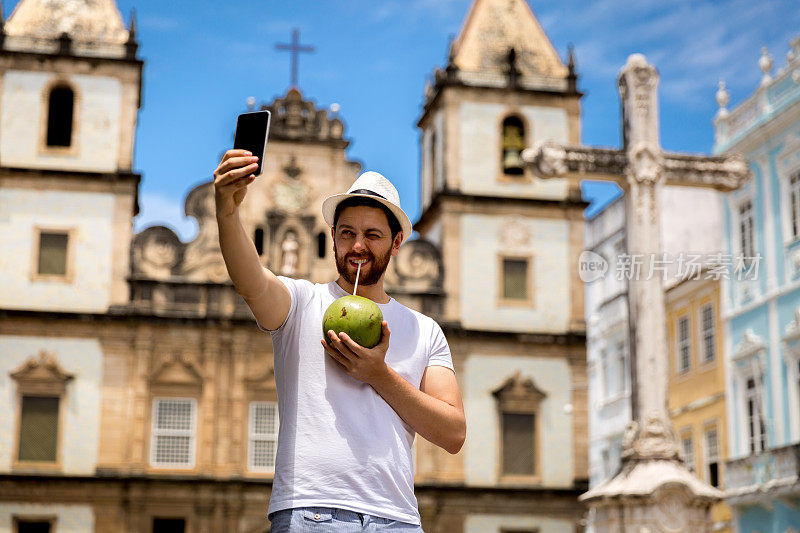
{"x": 653, "y": 492}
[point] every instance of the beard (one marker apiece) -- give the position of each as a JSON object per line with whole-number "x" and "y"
{"x": 370, "y": 275}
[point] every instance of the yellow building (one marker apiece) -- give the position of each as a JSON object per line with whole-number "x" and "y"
{"x": 696, "y": 389}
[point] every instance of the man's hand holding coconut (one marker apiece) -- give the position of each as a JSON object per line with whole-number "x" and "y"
{"x": 364, "y": 364}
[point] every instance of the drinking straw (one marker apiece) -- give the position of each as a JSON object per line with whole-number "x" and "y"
{"x": 357, "y": 274}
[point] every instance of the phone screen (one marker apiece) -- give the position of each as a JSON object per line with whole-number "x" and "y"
{"x": 251, "y": 135}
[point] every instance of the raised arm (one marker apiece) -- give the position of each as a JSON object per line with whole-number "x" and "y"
{"x": 264, "y": 293}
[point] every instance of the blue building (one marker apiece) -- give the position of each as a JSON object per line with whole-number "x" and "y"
{"x": 761, "y": 309}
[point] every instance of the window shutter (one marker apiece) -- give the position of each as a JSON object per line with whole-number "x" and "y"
{"x": 712, "y": 456}
{"x": 515, "y": 279}
{"x": 684, "y": 354}
{"x": 519, "y": 444}
{"x": 708, "y": 333}
{"x": 263, "y": 436}
{"x": 53, "y": 254}
{"x": 173, "y": 432}
{"x": 38, "y": 431}
{"x": 688, "y": 451}
{"x": 794, "y": 194}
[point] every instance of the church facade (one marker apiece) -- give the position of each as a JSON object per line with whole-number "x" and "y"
{"x": 136, "y": 392}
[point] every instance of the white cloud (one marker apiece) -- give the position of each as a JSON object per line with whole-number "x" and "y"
{"x": 159, "y": 23}
{"x": 693, "y": 43}
{"x": 159, "y": 210}
{"x": 413, "y": 10}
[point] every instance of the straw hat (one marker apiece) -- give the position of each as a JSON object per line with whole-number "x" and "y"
{"x": 370, "y": 185}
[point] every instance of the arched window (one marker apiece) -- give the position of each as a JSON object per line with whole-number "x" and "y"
{"x": 513, "y": 144}
{"x": 322, "y": 245}
{"x": 60, "y": 108}
{"x": 258, "y": 238}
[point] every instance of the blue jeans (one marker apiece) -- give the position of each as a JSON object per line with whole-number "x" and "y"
{"x": 330, "y": 520}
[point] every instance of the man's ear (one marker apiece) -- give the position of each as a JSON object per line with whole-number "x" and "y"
{"x": 398, "y": 240}
{"x": 333, "y": 239}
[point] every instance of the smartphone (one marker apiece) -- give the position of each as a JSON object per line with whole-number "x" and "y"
{"x": 252, "y": 130}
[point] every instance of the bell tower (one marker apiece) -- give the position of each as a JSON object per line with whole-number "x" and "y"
{"x": 70, "y": 91}
{"x": 504, "y": 89}
{"x": 512, "y": 301}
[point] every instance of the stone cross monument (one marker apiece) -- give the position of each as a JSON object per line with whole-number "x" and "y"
{"x": 653, "y": 492}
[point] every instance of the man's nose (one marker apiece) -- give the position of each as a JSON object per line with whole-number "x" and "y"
{"x": 358, "y": 244}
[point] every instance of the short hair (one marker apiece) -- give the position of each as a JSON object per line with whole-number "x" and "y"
{"x": 356, "y": 201}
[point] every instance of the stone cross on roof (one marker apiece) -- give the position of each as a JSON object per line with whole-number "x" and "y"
{"x": 641, "y": 167}
{"x": 295, "y": 48}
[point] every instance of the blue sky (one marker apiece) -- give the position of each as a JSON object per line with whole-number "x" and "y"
{"x": 203, "y": 59}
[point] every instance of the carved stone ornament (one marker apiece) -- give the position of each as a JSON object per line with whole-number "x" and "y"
{"x": 645, "y": 164}
{"x": 291, "y": 169}
{"x": 645, "y": 78}
{"x": 82, "y": 20}
{"x": 514, "y": 234}
{"x": 200, "y": 203}
{"x": 176, "y": 370}
{"x": 737, "y": 169}
{"x": 290, "y": 195}
{"x": 750, "y": 345}
{"x": 159, "y": 254}
{"x": 294, "y": 118}
{"x": 41, "y": 372}
{"x": 548, "y": 158}
{"x": 722, "y": 173}
{"x": 289, "y": 254}
{"x": 654, "y": 440}
{"x": 583, "y": 160}
{"x": 670, "y": 509}
{"x": 157, "y": 251}
{"x": 641, "y": 78}
{"x": 793, "y": 329}
{"x": 631, "y": 430}
{"x": 519, "y": 395}
{"x": 637, "y": 87}
{"x": 202, "y": 259}
{"x": 261, "y": 381}
{"x": 420, "y": 261}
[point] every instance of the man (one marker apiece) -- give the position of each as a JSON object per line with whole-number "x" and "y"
{"x": 348, "y": 414}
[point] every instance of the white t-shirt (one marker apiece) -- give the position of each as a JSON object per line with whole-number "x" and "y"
{"x": 339, "y": 443}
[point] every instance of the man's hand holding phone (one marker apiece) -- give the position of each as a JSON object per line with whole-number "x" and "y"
{"x": 231, "y": 178}
{"x": 266, "y": 295}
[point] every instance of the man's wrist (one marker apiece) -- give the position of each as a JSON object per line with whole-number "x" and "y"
{"x": 382, "y": 377}
{"x": 222, "y": 215}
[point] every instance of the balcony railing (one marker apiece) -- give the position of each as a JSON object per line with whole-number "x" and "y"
{"x": 767, "y": 475}
{"x": 768, "y": 99}
{"x": 186, "y": 300}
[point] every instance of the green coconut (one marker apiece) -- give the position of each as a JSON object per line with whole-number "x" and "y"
{"x": 357, "y": 316}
